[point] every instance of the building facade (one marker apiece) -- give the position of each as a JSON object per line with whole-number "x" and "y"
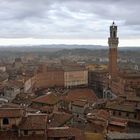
{"x": 62, "y": 77}
{"x": 75, "y": 77}
{"x": 50, "y": 77}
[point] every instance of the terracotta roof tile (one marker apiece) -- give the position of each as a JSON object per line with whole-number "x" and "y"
{"x": 79, "y": 103}
{"x": 83, "y": 94}
{"x": 118, "y": 121}
{"x": 34, "y": 121}
{"x": 122, "y": 107}
{"x": 59, "y": 132}
{"x": 58, "y": 119}
{"x": 46, "y": 109}
{"x": 49, "y": 99}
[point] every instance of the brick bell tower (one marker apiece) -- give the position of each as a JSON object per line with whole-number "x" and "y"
{"x": 113, "y": 42}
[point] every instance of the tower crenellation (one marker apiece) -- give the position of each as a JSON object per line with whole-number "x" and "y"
{"x": 113, "y": 40}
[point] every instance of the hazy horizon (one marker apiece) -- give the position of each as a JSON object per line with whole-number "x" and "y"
{"x": 35, "y": 42}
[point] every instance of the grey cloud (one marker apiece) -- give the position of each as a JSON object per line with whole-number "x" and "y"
{"x": 67, "y": 18}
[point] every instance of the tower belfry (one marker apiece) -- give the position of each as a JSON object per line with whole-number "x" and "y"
{"x": 113, "y": 42}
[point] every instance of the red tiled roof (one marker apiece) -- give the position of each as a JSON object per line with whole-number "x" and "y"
{"x": 83, "y": 94}
{"x": 58, "y": 119}
{"x": 11, "y": 112}
{"x": 118, "y": 121}
{"x": 122, "y": 107}
{"x": 103, "y": 113}
{"x": 97, "y": 115}
{"x": 46, "y": 109}
{"x": 7, "y": 135}
{"x": 79, "y": 103}
{"x": 61, "y": 132}
{"x": 34, "y": 122}
{"x": 49, "y": 99}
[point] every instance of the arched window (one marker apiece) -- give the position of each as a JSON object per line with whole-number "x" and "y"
{"x": 5, "y": 121}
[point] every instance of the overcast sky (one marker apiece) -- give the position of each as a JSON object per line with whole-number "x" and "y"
{"x": 68, "y": 21}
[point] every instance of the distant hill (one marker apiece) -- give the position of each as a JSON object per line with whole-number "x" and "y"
{"x": 130, "y": 48}
{"x": 52, "y": 48}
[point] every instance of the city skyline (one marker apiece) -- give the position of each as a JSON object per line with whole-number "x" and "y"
{"x": 68, "y": 22}
{"x": 70, "y": 92}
